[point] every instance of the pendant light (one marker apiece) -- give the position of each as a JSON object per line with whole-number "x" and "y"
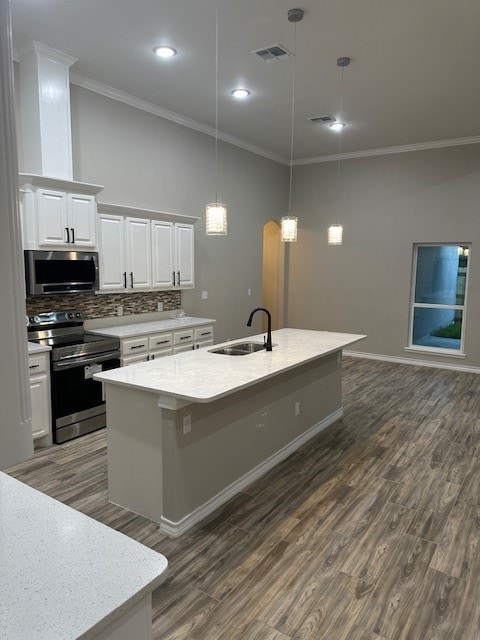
{"x": 216, "y": 212}
{"x": 289, "y": 223}
{"x": 335, "y": 231}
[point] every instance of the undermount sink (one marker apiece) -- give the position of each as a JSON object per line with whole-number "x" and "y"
{"x": 239, "y": 349}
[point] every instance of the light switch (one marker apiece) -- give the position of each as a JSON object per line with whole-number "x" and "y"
{"x": 187, "y": 423}
{"x": 204, "y": 295}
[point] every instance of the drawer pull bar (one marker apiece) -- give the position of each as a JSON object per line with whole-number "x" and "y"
{"x": 185, "y": 337}
{"x": 163, "y": 342}
{"x": 33, "y": 366}
{"x": 138, "y": 346}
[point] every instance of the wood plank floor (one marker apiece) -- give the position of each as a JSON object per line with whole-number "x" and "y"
{"x": 371, "y": 531}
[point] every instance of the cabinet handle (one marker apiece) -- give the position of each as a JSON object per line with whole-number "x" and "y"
{"x": 185, "y": 337}
{"x": 163, "y": 342}
{"x": 68, "y": 234}
{"x": 206, "y": 333}
{"x": 125, "y": 279}
{"x": 178, "y": 278}
{"x": 73, "y": 234}
{"x": 152, "y": 357}
{"x": 173, "y": 277}
{"x": 34, "y": 366}
{"x": 131, "y": 279}
{"x": 137, "y": 346}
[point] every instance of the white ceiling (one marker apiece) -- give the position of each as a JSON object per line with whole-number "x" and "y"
{"x": 413, "y": 78}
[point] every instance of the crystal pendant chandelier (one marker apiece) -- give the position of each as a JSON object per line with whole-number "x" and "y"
{"x": 289, "y": 223}
{"x": 216, "y": 212}
{"x": 335, "y": 231}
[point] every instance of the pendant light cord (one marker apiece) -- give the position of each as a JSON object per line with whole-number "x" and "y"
{"x": 216, "y": 100}
{"x": 293, "y": 117}
{"x": 339, "y": 147}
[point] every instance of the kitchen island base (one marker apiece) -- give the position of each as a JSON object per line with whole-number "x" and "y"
{"x": 175, "y": 462}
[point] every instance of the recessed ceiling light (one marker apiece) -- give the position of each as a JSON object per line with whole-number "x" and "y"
{"x": 240, "y": 93}
{"x": 337, "y": 126}
{"x": 164, "y": 52}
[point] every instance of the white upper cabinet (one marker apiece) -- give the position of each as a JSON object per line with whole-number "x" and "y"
{"x": 138, "y": 253}
{"x": 55, "y": 217}
{"x": 65, "y": 219}
{"x": 163, "y": 247}
{"x": 150, "y": 252}
{"x": 185, "y": 255}
{"x": 113, "y": 273}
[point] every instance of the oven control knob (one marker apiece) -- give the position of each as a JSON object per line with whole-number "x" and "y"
{"x": 78, "y": 315}
{"x": 71, "y": 315}
{"x": 36, "y": 319}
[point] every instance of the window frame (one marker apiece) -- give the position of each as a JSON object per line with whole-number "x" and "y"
{"x": 454, "y": 353}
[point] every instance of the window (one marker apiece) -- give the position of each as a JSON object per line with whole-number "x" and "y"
{"x": 439, "y": 297}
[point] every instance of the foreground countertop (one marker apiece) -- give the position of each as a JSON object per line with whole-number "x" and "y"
{"x": 154, "y": 326}
{"x": 33, "y": 347}
{"x": 64, "y": 575}
{"x": 201, "y": 376}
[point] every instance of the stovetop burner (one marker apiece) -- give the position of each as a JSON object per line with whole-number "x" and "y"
{"x": 64, "y": 332}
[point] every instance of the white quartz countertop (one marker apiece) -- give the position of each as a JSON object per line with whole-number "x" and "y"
{"x": 201, "y": 376}
{"x": 33, "y": 347}
{"x": 63, "y": 575}
{"x": 154, "y": 326}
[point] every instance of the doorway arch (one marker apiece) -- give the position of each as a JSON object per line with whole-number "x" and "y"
{"x": 273, "y": 275}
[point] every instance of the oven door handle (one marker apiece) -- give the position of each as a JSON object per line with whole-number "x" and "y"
{"x": 82, "y": 361}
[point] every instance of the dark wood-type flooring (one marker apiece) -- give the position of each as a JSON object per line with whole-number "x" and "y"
{"x": 370, "y": 531}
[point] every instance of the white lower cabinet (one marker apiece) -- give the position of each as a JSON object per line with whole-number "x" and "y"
{"x": 158, "y": 345}
{"x": 39, "y": 377}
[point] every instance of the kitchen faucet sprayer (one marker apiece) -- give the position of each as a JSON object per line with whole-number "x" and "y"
{"x": 268, "y": 342}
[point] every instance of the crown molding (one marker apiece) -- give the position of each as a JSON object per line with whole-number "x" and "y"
{"x": 404, "y": 148}
{"x": 45, "y": 51}
{"x": 149, "y": 107}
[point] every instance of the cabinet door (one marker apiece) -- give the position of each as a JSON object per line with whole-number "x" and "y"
{"x": 185, "y": 255}
{"x": 138, "y": 253}
{"x": 81, "y": 220}
{"x": 40, "y": 399}
{"x": 134, "y": 359}
{"x": 162, "y": 254}
{"x": 111, "y": 251}
{"x": 52, "y": 215}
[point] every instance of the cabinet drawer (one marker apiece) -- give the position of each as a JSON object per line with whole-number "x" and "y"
{"x": 160, "y": 341}
{"x": 134, "y": 345}
{"x": 37, "y": 364}
{"x": 204, "y": 333}
{"x": 134, "y": 359}
{"x": 180, "y": 337}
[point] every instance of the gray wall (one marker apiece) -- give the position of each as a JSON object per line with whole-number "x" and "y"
{"x": 145, "y": 161}
{"x": 387, "y": 203}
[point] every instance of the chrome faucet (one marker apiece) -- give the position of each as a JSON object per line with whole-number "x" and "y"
{"x": 268, "y": 342}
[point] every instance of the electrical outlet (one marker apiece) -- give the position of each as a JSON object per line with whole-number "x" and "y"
{"x": 204, "y": 295}
{"x": 249, "y": 292}
{"x": 120, "y": 311}
{"x": 159, "y": 306}
{"x": 187, "y": 423}
{"x": 297, "y": 408}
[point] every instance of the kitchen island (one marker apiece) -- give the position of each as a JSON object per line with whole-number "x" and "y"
{"x": 65, "y": 576}
{"x": 188, "y": 432}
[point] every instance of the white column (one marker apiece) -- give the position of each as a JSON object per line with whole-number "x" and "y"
{"x": 16, "y": 441}
{"x": 45, "y": 110}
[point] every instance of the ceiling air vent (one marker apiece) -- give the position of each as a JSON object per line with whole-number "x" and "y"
{"x": 275, "y": 52}
{"x": 322, "y": 119}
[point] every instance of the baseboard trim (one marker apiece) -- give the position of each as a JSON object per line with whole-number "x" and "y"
{"x": 413, "y": 361}
{"x": 176, "y": 529}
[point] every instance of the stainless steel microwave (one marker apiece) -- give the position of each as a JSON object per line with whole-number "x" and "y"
{"x": 49, "y": 272}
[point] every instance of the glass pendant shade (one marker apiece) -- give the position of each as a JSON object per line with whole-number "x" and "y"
{"x": 335, "y": 234}
{"x": 289, "y": 228}
{"x": 216, "y": 219}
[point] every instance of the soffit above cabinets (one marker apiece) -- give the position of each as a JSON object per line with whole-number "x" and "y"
{"x": 411, "y": 66}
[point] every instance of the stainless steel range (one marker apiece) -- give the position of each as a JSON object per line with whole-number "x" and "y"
{"x": 78, "y": 406}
